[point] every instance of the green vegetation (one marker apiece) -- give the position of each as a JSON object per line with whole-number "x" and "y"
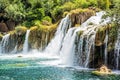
{"x": 26, "y": 12}
{"x": 115, "y": 12}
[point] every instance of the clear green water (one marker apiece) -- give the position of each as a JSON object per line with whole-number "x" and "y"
{"x": 33, "y": 69}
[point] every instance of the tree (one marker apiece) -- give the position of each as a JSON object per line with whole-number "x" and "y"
{"x": 114, "y": 13}
{"x": 15, "y": 11}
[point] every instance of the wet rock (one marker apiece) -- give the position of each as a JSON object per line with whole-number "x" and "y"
{"x": 10, "y": 25}
{"x": 79, "y": 16}
{"x": 3, "y": 27}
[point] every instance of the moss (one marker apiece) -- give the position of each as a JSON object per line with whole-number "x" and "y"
{"x": 47, "y": 20}
{"x": 100, "y": 35}
{"x": 112, "y": 36}
{"x": 77, "y": 25}
{"x": 33, "y": 28}
{"x": 21, "y": 30}
{"x": 80, "y": 33}
{"x": 12, "y": 32}
{"x": 78, "y": 16}
{"x": 65, "y": 13}
{"x": 98, "y": 73}
{"x": 90, "y": 23}
{"x": 79, "y": 10}
{"x": 1, "y": 36}
{"x": 41, "y": 35}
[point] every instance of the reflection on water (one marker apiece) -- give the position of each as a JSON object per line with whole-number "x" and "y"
{"x": 41, "y": 68}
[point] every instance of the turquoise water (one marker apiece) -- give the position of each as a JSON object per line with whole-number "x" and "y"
{"x": 34, "y": 68}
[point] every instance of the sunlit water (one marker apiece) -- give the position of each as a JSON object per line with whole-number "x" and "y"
{"x": 39, "y": 66}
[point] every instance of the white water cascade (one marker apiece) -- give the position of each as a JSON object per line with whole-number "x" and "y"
{"x": 56, "y": 43}
{"x": 79, "y": 54}
{"x": 25, "y": 45}
{"x": 117, "y": 50}
{"x": 105, "y": 53}
{"x": 4, "y": 43}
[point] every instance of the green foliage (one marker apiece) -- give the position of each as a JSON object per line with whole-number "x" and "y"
{"x": 27, "y": 11}
{"x": 114, "y": 13}
{"x": 37, "y": 22}
{"x": 68, "y": 6}
{"x": 93, "y": 3}
{"x": 47, "y": 18}
{"x": 104, "y": 4}
{"x": 15, "y": 12}
{"x": 81, "y": 3}
{"x": 3, "y": 4}
{"x": 55, "y": 12}
{"x": 27, "y": 23}
{"x": 38, "y": 13}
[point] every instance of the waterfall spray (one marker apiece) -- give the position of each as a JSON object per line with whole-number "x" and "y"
{"x": 117, "y": 50}
{"x": 25, "y": 45}
{"x": 105, "y": 53}
{"x": 4, "y": 43}
{"x": 56, "y": 43}
{"x": 81, "y": 51}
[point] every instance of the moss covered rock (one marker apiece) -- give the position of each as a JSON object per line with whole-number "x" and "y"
{"x": 79, "y": 16}
{"x": 41, "y": 35}
{"x": 1, "y": 36}
{"x": 101, "y": 34}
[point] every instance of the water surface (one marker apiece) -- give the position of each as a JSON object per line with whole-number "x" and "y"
{"x": 43, "y": 68}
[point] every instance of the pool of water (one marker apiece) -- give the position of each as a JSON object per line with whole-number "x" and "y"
{"x": 24, "y": 67}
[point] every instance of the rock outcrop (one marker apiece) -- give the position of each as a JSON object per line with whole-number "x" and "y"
{"x": 39, "y": 38}
{"x": 79, "y": 16}
{"x": 3, "y": 27}
{"x": 10, "y": 25}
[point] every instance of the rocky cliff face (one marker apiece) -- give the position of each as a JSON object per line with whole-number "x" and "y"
{"x": 79, "y": 16}
{"x": 39, "y": 38}
{"x": 7, "y": 26}
{"x": 3, "y": 27}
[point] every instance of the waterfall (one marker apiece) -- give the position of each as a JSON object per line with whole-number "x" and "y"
{"x": 117, "y": 50}
{"x": 14, "y": 50}
{"x": 25, "y": 45}
{"x": 4, "y": 43}
{"x": 56, "y": 43}
{"x": 105, "y": 53}
{"x": 79, "y": 54}
{"x": 67, "y": 51}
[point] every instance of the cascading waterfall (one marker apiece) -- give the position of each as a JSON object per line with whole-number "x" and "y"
{"x": 105, "y": 53}
{"x": 25, "y": 45}
{"x": 14, "y": 50}
{"x": 67, "y": 51}
{"x": 79, "y": 54}
{"x": 4, "y": 43}
{"x": 117, "y": 50}
{"x": 56, "y": 43}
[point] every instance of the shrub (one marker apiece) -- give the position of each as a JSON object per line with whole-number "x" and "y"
{"x": 47, "y": 18}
